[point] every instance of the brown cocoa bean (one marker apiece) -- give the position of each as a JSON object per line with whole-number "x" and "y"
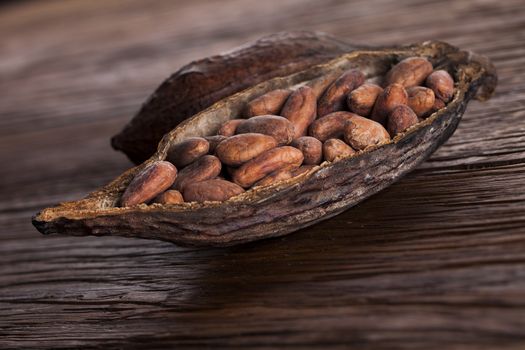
{"x": 330, "y": 126}
{"x": 361, "y": 133}
{"x": 214, "y": 142}
{"x": 230, "y": 127}
{"x": 311, "y": 147}
{"x": 400, "y": 119}
{"x": 278, "y": 127}
{"x": 187, "y": 151}
{"x": 270, "y": 103}
{"x": 335, "y": 149}
{"x": 148, "y": 183}
{"x": 420, "y": 100}
{"x": 276, "y": 176}
{"x": 362, "y": 100}
{"x": 392, "y": 96}
{"x": 205, "y": 168}
{"x": 300, "y": 109}
{"x": 211, "y": 190}
{"x": 284, "y": 157}
{"x": 333, "y": 99}
{"x": 442, "y": 84}
{"x": 169, "y": 197}
{"x": 409, "y": 72}
{"x": 239, "y": 149}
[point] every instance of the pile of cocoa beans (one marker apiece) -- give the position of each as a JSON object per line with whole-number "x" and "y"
{"x": 285, "y": 133}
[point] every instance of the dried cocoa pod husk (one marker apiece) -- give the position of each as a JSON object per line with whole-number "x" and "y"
{"x": 318, "y": 194}
{"x": 201, "y": 83}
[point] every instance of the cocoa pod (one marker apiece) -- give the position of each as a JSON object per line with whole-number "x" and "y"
{"x": 361, "y": 133}
{"x": 284, "y": 157}
{"x": 270, "y": 103}
{"x": 392, "y": 96}
{"x": 187, "y": 151}
{"x": 442, "y": 84}
{"x": 205, "y": 168}
{"x": 214, "y": 141}
{"x": 420, "y": 100}
{"x": 311, "y": 148}
{"x": 333, "y": 99}
{"x": 201, "y": 83}
{"x": 401, "y": 118}
{"x": 169, "y": 197}
{"x": 278, "y": 127}
{"x": 239, "y": 149}
{"x": 300, "y": 109}
{"x": 148, "y": 183}
{"x": 330, "y": 126}
{"x": 211, "y": 190}
{"x": 326, "y": 190}
{"x": 230, "y": 127}
{"x": 276, "y": 176}
{"x": 362, "y": 100}
{"x": 335, "y": 149}
{"x": 409, "y": 72}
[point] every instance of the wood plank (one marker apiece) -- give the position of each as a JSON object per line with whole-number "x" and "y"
{"x": 435, "y": 261}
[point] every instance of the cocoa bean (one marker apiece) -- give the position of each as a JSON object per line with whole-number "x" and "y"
{"x": 239, "y": 149}
{"x": 229, "y": 128}
{"x": 284, "y": 157}
{"x": 187, "y": 151}
{"x": 330, "y": 126}
{"x": 169, "y": 197}
{"x": 400, "y": 119}
{"x": 302, "y": 169}
{"x": 361, "y": 133}
{"x": 335, "y": 149}
{"x": 148, "y": 183}
{"x": 362, "y": 100}
{"x": 300, "y": 109}
{"x": 442, "y": 84}
{"x": 270, "y": 103}
{"x": 311, "y": 148}
{"x": 214, "y": 142}
{"x": 420, "y": 100}
{"x": 205, "y": 168}
{"x": 409, "y": 72}
{"x": 278, "y": 127}
{"x": 393, "y": 95}
{"x": 211, "y": 190}
{"x": 333, "y": 99}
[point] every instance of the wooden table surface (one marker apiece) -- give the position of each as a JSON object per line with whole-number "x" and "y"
{"x": 436, "y": 261}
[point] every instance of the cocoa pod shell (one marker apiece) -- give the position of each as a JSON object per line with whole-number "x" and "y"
{"x": 289, "y": 205}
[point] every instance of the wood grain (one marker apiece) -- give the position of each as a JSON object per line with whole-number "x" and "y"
{"x": 435, "y": 261}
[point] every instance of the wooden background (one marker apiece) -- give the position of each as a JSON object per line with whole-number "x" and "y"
{"x": 436, "y": 261}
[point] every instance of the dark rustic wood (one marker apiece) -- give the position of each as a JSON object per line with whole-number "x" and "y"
{"x": 436, "y": 261}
